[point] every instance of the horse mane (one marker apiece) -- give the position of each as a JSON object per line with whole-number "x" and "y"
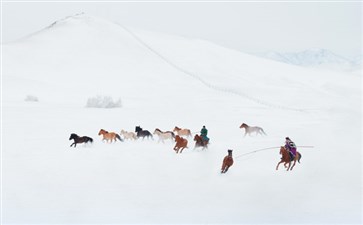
{"x": 157, "y": 129}
{"x": 285, "y": 151}
{"x": 74, "y": 135}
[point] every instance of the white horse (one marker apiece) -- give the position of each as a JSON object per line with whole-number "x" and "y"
{"x": 182, "y": 132}
{"x": 129, "y": 135}
{"x": 164, "y": 135}
{"x": 249, "y": 130}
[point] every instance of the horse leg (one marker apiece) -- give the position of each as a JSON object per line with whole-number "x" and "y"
{"x": 223, "y": 167}
{"x": 289, "y": 166}
{"x": 294, "y": 163}
{"x": 277, "y": 167}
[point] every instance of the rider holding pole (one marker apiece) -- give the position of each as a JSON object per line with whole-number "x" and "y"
{"x": 291, "y": 147}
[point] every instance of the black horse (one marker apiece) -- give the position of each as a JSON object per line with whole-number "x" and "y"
{"x": 143, "y": 133}
{"x": 77, "y": 139}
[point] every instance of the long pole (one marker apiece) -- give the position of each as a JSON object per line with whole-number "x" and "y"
{"x": 264, "y": 149}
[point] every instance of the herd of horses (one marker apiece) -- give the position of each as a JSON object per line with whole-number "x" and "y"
{"x": 180, "y": 137}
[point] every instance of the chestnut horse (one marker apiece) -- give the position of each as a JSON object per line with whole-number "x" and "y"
{"x": 182, "y": 132}
{"x": 286, "y": 159}
{"x": 181, "y": 143}
{"x": 199, "y": 142}
{"x": 227, "y": 162}
{"x": 77, "y": 139}
{"x": 249, "y": 130}
{"x": 109, "y": 136}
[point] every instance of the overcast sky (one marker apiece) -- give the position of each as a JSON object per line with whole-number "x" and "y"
{"x": 245, "y": 26}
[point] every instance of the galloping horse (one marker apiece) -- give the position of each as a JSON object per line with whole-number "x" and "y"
{"x": 182, "y": 132}
{"x": 77, "y": 139}
{"x": 199, "y": 142}
{"x": 109, "y": 136}
{"x": 164, "y": 135}
{"x": 129, "y": 135}
{"x": 286, "y": 158}
{"x": 143, "y": 133}
{"x": 227, "y": 162}
{"x": 249, "y": 130}
{"x": 181, "y": 143}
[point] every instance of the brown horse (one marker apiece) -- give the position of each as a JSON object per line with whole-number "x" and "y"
{"x": 181, "y": 143}
{"x": 249, "y": 130}
{"x": 199, "y": 142}
{"x": 109, "y": 136}
{"x": 227, "y": 162}
{"x": 182, "y": 132}
{"x": 286, "y": 159}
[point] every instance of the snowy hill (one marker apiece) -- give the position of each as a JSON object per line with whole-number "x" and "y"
{"x": 166, "y": 81}
{"x": 315, "y": 58}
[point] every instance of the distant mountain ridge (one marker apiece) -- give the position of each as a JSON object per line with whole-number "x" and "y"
{"x": 315, "y": 57}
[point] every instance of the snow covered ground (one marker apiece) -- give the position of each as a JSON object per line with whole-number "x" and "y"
{"x": 166, "y": 81}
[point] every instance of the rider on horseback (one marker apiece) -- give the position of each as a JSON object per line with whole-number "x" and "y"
{"x": 203, "y": 134}
{"x": 291, "y": 147}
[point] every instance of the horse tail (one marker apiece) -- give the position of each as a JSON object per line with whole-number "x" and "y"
{"x": 263, "y": 131}
{"x": 118, "y": 137}
{"x": 298, "y": 159}
{"x": 90, "y": 139}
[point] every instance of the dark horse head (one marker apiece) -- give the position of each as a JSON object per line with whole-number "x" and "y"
{"x": 73, "y": 136}
{"x": 138, "y": 128}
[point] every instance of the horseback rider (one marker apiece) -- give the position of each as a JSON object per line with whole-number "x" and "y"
{"x": 203, "y": 134}
{"x": 291, "y": 147}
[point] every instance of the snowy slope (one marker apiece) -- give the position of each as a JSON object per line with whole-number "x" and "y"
{"x": 314, "y": 58}
{"x": 166, "y": 81}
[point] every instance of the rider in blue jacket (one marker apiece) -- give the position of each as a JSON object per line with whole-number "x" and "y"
{"x": 203, "y": 134}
